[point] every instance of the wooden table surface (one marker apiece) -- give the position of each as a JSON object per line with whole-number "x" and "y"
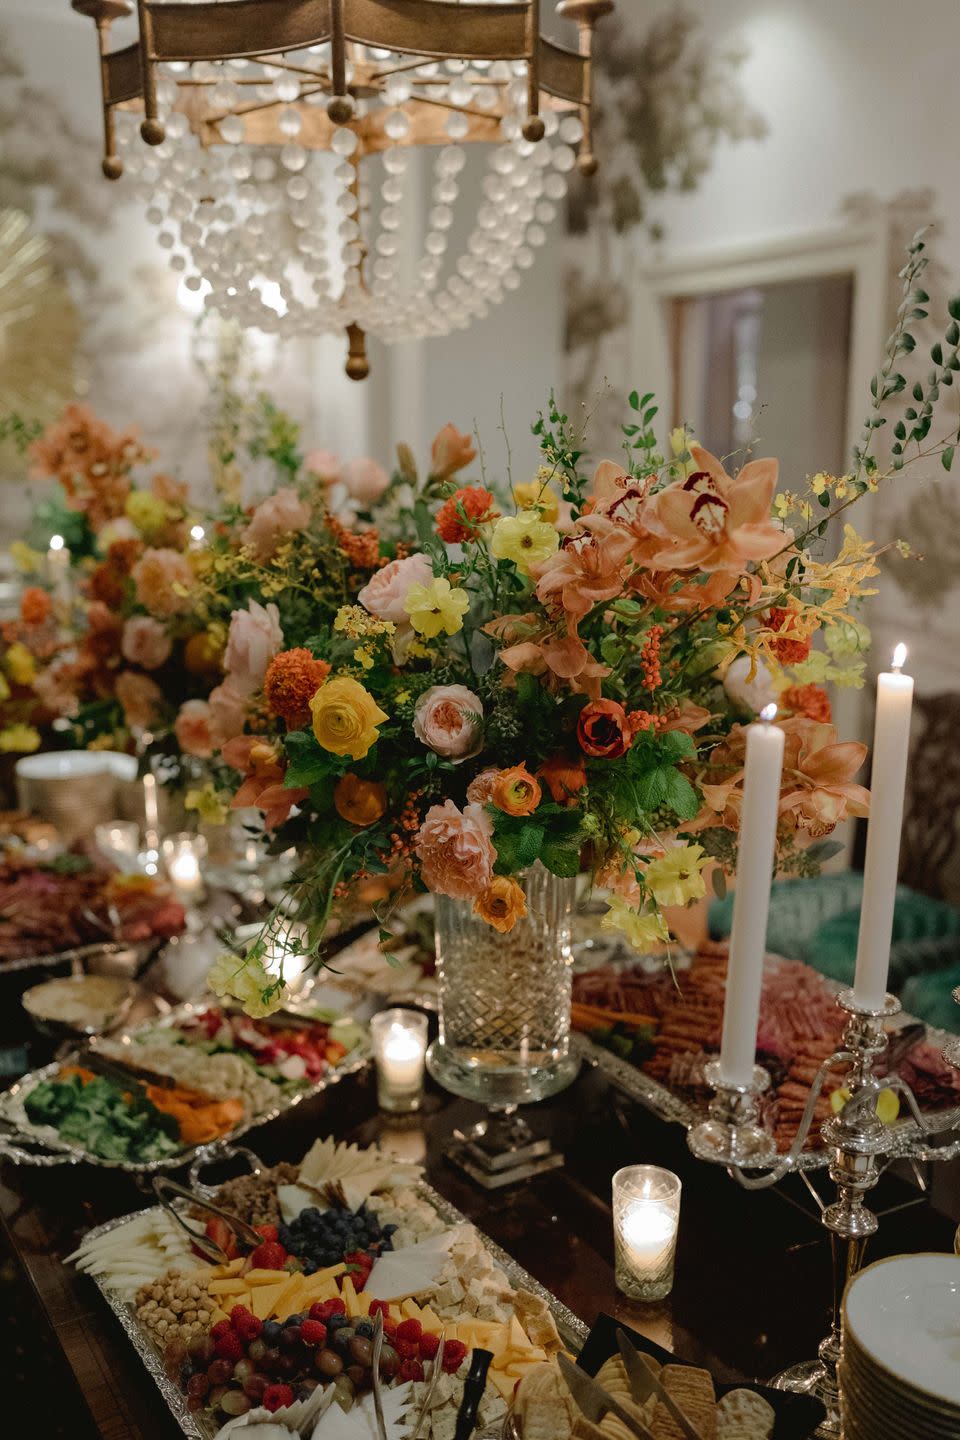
{"x": 752, "y": 1281}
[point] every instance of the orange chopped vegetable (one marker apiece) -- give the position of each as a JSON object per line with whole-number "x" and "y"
{"x": 200, "y": 1118}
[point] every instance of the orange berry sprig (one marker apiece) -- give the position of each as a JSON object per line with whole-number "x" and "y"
{"x": 650, "y": 659}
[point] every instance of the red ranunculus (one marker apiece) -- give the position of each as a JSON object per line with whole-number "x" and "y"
{"x": 604, "y": 731}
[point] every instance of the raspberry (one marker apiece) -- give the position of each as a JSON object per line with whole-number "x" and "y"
{"x": 249, "y": 1329}
{"x": 229, "y": 1346}
{"x": 389, "y": 1328}
{"x": 453, "y": 1355}
{"x": 410, "y": 1330}
{"x": 268, "y": 1256}
{"x": 411, "y": 1370}
{"x": 276, "y": 1396}
{"x": 406, "y": 1349}
{"x": 222, "y": 1327}
{"x": 325, "y": 1308}
{"x": 266, "y": 1232}
{"x": 239, "y": 1314}
{"x": 313, "y": 1332}
{"x": 382, "y": 1306}
{"x": 429, "y": 1345}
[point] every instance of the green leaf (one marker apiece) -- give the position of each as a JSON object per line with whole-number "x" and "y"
{"x": 936, "y": 353}
{"x": 529, "y": 844}
{"x": 680, "y": 796}
{"x": 719, "y": 884}
{"x": 423, "y": 521}
{"x": 561, "y": 858}
{"x": 309, "y": 764}
{"x": 633, "y": 400}
{"x": 946, "y": 459}
{"x": 953, "y": 308}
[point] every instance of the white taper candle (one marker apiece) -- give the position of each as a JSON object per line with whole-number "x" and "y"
{"x": 748, "y": 938}
{"x": 891, "y": 749}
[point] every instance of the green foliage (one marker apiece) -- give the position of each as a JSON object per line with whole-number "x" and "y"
{"x": 309, "y": 763}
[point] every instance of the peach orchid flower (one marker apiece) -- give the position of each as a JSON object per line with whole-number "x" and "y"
{"x": 712, "y": 521}
{"x": 263, "y": 786}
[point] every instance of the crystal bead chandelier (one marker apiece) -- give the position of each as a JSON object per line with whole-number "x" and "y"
{"x": 280, "y": 134}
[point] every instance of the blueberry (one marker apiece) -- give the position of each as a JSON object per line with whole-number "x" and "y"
{"x": 336, "y": 1322}
{"x": 363, "y": 1327}
{"x": 271, "y": 1331}
{"x": 310, "y": 1267}
{"x": 295, "y": 1319}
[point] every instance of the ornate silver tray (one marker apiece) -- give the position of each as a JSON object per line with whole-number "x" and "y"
{"x": 572, "y": 1331}
{"x": 25, "y": 1143}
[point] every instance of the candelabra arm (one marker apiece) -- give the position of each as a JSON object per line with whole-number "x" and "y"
{"x": 788, "y": 1162}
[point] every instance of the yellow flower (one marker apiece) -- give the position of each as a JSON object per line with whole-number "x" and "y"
{"x": 676, "y": 878}
{"x": 680, "y": 441}
{"x": 525, "y": 539}
{"x": 345, "y": 717}
{"x": 435, "y": 607}
{"x": 207, "y": 804}
{"x": 247, "y": 981}
{"x": 4, "y": 688}
{"x": 842, "y": 487}
{"x": 26, "y": 559}
{"x": 820, "y": 482}
{"x": 783, "y": 504}
{"x": 642, "y": 930}
{"x": 20, "y": 665}
{"x": 537, "y": 495}
{"x": 20, "y": 738}
{"x": 147, "y": 512}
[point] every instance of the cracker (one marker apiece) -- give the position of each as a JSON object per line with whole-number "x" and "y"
{"x": 692, "y": 1389}
{"x": 744, "y": 1415}
{"x": 584, "y": 1429}
{"x": 544, "y": 1406}
{"x": 612, "y": 1376}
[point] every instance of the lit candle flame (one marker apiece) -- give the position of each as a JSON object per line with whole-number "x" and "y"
{"x": 197, "y": 533}
{"x": 57, "y": 542}
{"x": 899, "y": 657}
{"x": 768, "y": 714}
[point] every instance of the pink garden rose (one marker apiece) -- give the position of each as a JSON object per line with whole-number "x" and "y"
{"x": 365, "y": 480}
{"x": 253, "y": 640}
{"x": 193, "y": 731}
{"x": 140, "y": 697}
{"x": 275, "y": 518}
{"x": 385, "y": 591}
{"x": 455, "y": 850}
{"x": 228, "y": 713}
{"x": 449, "y": 719}
{"x": 145, "y": 642}
{"x": 163, "y": 579}
{"x": 324, "y": 464}
{"x": 480, "y": 789}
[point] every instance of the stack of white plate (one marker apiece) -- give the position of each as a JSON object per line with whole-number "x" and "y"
{"x": 900, "y": 1371}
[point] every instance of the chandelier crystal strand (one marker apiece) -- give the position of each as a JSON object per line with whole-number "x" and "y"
{"x": 258, "y": 168}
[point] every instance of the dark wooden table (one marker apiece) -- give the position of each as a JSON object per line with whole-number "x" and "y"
{"x": 752, "y": 1281}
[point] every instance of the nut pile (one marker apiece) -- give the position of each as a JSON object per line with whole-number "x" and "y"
{"x": 173, "y": 1307}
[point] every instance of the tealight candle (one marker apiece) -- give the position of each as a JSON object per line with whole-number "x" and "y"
{"x": 183, "y": 855}
{"x": 399, "y": 1047}
{"x": 646, "y": 1215}
{"x": 119, "y": 840}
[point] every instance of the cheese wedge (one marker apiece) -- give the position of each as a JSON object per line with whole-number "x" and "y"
{"x": 227, "y": 1287}
{"x": 265, "y": 1277}
{"x": 349, "y": 1296}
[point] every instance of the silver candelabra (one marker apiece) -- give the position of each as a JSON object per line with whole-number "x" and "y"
{"x": 861, "y": 1146}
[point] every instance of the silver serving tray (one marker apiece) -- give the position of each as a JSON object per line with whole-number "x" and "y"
{"x": 572, "y": 1331}
{"x": 28, "y": 1144}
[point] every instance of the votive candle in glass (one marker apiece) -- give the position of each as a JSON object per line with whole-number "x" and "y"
{"x": 646, "y": 1216}
{"x": 399, "y": 1040}
{"x": 183, "y": 856}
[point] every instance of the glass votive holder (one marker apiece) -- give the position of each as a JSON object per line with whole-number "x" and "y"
{"x": 399, "y": 1039}
{"x": 183, "y": 857}
{"x": 119, "y": 841}
{"x": 646, "y": 1216}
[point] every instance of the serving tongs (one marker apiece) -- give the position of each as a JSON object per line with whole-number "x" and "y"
{"x": 164, "y": 1188}
{"x": 128, "y": 1074}
{"x": 427, "y": 1400}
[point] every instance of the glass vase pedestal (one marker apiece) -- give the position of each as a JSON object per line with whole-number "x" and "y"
{"x": 505, "y": 1024}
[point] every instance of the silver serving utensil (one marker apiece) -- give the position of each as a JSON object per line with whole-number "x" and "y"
{"x": 435, "y": 1374}
{"x": 594, "y": 1402}
{"x": 164, "y": 1188}
{"x": 643, "y": 1384}
{"x": 377, "y": 1396}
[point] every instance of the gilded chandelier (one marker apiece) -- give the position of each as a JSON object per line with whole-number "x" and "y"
{"x": 279, "y": 175}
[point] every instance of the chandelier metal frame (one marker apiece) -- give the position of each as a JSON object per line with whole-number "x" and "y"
{"x": 365, "y": 45}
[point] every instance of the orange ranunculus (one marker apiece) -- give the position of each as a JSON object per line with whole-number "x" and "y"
{"x": 563, "y": 777}
{"x": 604, "y": 730}
{"x": 515, "y": 791}
{"x": 502, "y": 904}
{"x": 475, "y": 503}
{"x": 361, "y": 802}
{"x": 35, "y": 605}
{"x": 451, "y": 451}
{"x": 809, "y": 700}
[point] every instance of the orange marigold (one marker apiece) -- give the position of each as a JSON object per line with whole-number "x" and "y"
{"x": 810, "y": 700}
{"x": 293, "y": 678}
{"x": 789, "y": 647}
{"x": 361, "y": 548}
{"x": 35, "y": 606}
{"x": 472, "y": 501}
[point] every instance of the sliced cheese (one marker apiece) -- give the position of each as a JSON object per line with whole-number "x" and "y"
{"x": 227, "y": 1287}
{"x": 263, "y": 1299}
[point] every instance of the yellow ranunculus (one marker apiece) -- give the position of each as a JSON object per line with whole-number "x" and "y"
{"x": 677, "y": 877}
{"x": 19, "y": 739}
{"x": 20, "y": 664}
{"x": 345, "y": 717}
{"x": 435, "y": 607}
{"x": 146, "y": 511}
{"x": 537, "y": 495}
{"x": 642, "y": 930}
{"x": 247, "y": 981}
{"x": 27, "y": 560}
{"x": 208, "y": 805}
{"x": 525, "y": 539}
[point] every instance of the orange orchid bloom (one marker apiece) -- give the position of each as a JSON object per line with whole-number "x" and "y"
{"x": 588, "y": 567}
{"x": 712, "y": 521}
{"x": 263, "y": 786}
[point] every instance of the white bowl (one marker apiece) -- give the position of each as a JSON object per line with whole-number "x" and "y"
{"x": 68, "y": 764}
{"x": 905, "y": 1314}
{"x": 73, "y": 789}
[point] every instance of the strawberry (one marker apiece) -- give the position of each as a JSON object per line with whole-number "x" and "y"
{"x": 266, "y": 1232}
{"x": 382, "y": 1306}
{"x": 453, "y": 1356}
{"x": 268, "y": 1256}
{"x": 220, "y": 1233}
{"x": 411, "y": 1370}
